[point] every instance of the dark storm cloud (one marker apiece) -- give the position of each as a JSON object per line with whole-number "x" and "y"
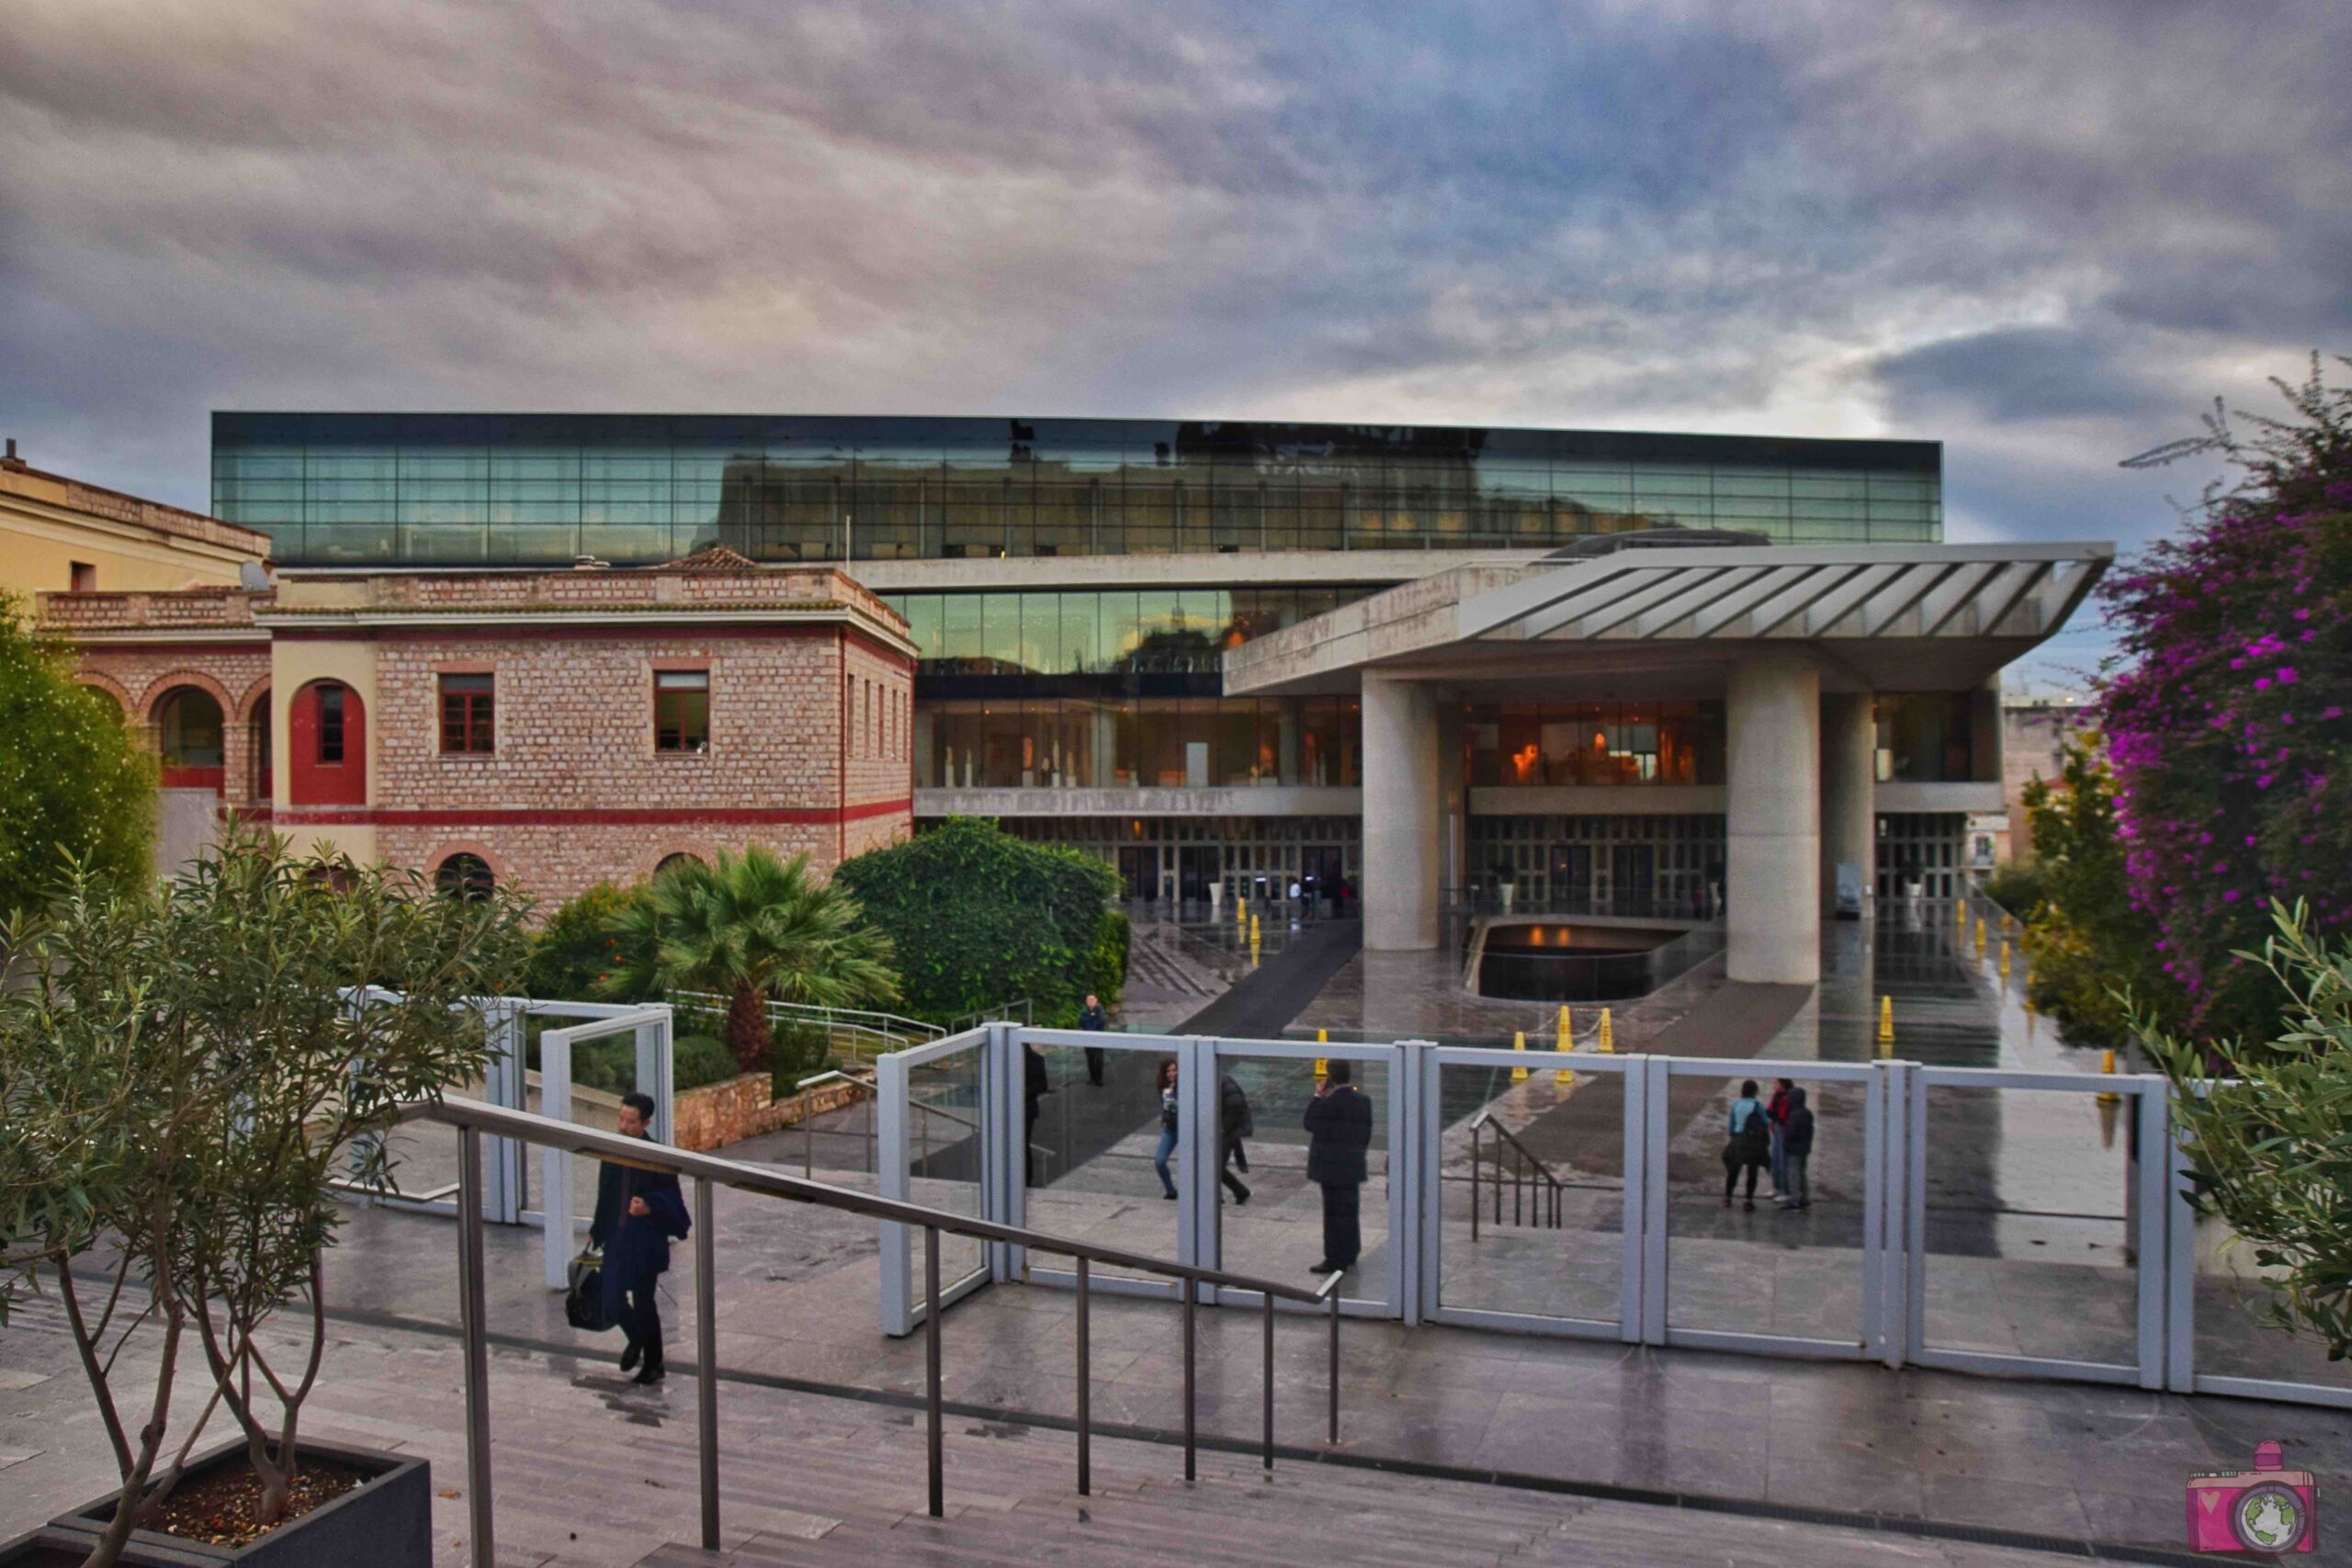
{"x": 2043, "y": 233}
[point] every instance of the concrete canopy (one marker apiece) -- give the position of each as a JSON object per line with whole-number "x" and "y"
{"x": 1879, "y": 618}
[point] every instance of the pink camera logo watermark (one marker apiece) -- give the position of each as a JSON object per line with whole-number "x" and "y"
{"x": 2269, "y": 1509}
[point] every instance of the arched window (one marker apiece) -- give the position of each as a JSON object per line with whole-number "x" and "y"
{"x": 188, "y": 734}
{"x": 326, "y": 757}
{"x": 464, "y": 876}
{"x": 671, "y": 863}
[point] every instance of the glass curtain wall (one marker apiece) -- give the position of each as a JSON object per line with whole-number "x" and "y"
{"x": 1594, "y": 743}
{"x": 640, "y": 490}
{"x": 1158, "y": 631}
{"x": 1135, "y": 743}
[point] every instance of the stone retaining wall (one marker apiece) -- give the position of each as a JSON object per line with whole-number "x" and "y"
{"x": 719, "y": 1114}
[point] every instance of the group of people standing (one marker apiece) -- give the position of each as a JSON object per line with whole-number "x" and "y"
{"x": 1774, "y": 1134}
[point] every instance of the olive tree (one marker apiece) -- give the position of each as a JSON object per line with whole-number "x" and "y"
{"x": 2267, "y": 1127}
{"x": 185, "y": 1073}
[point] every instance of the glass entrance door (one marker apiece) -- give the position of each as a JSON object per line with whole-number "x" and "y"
{"x": 1571, "y": 875}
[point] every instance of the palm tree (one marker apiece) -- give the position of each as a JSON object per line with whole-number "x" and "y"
{"x": 751, "y": 928}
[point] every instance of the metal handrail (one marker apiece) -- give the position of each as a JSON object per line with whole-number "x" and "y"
{"x": 473, "y": 1119}
{"x": 1547, "y": 1197}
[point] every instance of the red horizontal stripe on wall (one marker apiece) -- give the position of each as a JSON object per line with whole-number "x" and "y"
{"x": 558, "y": 817}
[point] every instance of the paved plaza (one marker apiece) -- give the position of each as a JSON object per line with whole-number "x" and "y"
{"x": 2026, "y": 1227}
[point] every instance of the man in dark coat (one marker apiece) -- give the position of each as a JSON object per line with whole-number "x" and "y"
{"x": 639, "y": 1213}
{"x": 1035, "y": 1086}
{"x": 1094, "y": 1019}
{"x": 1234, "y": 1124}
{"x": 1338, "y": 1129}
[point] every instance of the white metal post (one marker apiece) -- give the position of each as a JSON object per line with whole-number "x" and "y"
{"x": 1874, "y": 1254}
{"x": 1914, "y": 1220}
{"x": 1633, "y": 1221}
{"x": 890, "y": 1181}
{"x": 1200, "y": 1228}
{"x": 1654, "y": 1206}
{"x": 2180, "y": 1272}
{"x": 1428, "y": 1159}
{"x": 2155, "y": 1180}
{"x": 555, "y": 1165}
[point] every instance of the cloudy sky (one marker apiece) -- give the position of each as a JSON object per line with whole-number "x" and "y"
{"x": 2045, "y": 233}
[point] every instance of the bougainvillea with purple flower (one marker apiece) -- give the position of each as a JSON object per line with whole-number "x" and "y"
{"x": 2225, "y": 712}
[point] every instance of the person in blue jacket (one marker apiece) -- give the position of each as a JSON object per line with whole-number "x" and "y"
{"x": 639, "y": 1215}
{"x": 1749, "y": 1145}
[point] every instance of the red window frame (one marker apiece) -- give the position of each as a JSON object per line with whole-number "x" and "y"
{"x": 469, "y": 708}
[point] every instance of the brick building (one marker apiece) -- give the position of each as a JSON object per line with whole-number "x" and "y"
{"x": 548, "y": 729}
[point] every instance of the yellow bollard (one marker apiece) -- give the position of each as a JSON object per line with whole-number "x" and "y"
{"x": 1518, "y": 1042}
{"x": 1253, "y": 941}
{"x": 1980, "y": 936}
{"x": 1959, "y": 913}
{"x": 1886, "y": 1023}
{"x": 2005, "y": 958}
{"x": 2106, "y": 1064}
{"x": 1608, "y": 1037}
{"x": 1564, "y": 1041}
{"x": 1322, "y": 1064}
{"x": 1241, "y": 909}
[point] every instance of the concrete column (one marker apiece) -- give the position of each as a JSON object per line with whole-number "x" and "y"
{"x": 1772, "y": 872}
{"x": 1849, "y": 827}
{"x": 1401, "y": 806}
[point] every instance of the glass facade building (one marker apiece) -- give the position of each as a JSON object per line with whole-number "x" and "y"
{"x": 1025, "y": 684}
{"x": 349, "y": 490}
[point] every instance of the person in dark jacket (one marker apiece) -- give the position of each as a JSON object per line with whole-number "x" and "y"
{"x": 1035, "y": 1086}
{"x": 1796, "y": 1154}
{"x": 1234, "y": 1124}
{"x": 1092, "y": 1018}
{"x": 639, "y": 1215}
{"x": 1776, "y": 1122}
{"x": 1338, "y": 1129}
{"x": 1749, "y": 1145}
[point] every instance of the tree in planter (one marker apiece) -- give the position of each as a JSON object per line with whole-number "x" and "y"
{"x": 102, "y": 1145}
{"x": 195, "y": 1068}
{"x": 310, "y": 1083}
{"x": 2268, "y": 1129}
{"x": 750, "y": 928}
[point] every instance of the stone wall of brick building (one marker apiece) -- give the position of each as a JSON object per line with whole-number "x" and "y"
{"x": 811, "y": 739}
{"x": 575, "y": 791}
{"x": 141, "y": 647}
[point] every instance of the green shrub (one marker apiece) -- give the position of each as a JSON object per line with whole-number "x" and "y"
{"x": 2016, "y": 887}
{"x": 800, "y": 1050}
{"x": 578, "y": 945}
{"x": 697, "y": 1060}
{"x": 978, "y": 916}
{"x": 75, "y": 787}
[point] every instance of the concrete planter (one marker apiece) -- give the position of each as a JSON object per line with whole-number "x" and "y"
{"x": 384, "y": 1522}
{"x": 49, "y": 1547}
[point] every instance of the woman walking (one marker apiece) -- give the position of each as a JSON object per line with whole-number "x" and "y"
{"x": 1749, "y": 1144}
{"x": 1167, "y": 1127}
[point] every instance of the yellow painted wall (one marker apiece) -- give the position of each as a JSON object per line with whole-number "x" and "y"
{"x": 41, "y": 535}
{"x": 293, "y": 665}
